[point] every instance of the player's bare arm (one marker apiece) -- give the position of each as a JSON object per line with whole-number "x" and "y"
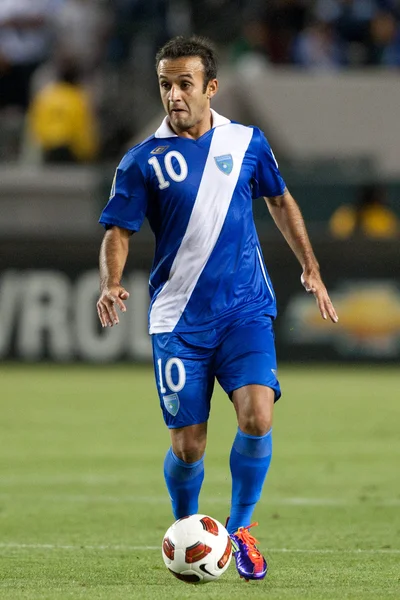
{"x": 113, "y": 254}
{"x": 288, "y": 218}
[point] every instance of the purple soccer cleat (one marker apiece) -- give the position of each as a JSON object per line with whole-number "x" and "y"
{"x": 250, "y": 563}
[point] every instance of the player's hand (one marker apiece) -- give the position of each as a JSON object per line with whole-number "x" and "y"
{"x": 107, "y": 304}
{"x": 313, "y": 284}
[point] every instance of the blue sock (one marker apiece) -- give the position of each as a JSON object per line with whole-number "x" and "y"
{"x": 249, "y": 461}
{"x": 184, "y": 483}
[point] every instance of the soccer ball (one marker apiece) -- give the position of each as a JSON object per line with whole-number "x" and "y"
{"x": 197, "y": 549}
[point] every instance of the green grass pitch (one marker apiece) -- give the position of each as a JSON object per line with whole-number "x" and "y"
{"x": 83, "y": 506}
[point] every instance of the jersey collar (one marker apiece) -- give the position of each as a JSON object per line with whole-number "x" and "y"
{"x": 164, "y": 131}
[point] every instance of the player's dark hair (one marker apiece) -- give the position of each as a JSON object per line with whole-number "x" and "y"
{"x": 194, "y": 45}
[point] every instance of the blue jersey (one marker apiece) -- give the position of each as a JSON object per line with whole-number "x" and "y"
{"x": 197, "y": 196}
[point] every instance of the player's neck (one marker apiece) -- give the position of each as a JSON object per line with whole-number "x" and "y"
{"x": 195, "y": 132}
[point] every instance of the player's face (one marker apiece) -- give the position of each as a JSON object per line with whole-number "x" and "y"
{"x": 186, "y": 102}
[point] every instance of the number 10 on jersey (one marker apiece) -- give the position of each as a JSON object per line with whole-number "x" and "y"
{"x": 170, "y": 168}
{"x": 165, "y": 373}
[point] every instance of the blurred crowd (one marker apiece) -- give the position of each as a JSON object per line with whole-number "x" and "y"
{"x": 323, "y": 34}
{"x": 369, "y": 216}
{"x": 77, "y": 76}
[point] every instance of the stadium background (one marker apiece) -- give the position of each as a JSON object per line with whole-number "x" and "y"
{"x": 320, "y": 83}
{"x": 78, "y": 479}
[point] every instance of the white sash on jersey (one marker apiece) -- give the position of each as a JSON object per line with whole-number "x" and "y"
{"x": 205, "y": 224}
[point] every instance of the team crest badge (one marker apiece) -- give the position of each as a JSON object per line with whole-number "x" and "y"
{"x": 224, "y": 163}
{"x": 171, "y": 403}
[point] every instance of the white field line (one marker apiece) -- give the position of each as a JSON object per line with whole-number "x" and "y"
{"x": 132, "y": 498}
{"x": 127, "y": 548}
{"x": 64, "y": 479}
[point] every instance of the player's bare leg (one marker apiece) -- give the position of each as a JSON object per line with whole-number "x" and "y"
{"x": 184, "y": 468}
{"x": 250, "y": 459}
{"x": 254, "y": 405}
{"x": 189, "y": 443}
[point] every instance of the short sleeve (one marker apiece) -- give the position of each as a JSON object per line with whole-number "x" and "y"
{"x": 267, "y": 179}
{"x": 127, "y": 204}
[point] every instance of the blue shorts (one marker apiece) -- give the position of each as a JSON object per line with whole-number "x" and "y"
{"x": 186, "y": 365}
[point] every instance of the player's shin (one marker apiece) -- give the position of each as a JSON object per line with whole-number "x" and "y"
{"x": 249, "y": 462}
{"x": 184, "y": 482}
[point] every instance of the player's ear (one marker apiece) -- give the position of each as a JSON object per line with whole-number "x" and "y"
{"x": 212, "y": 88}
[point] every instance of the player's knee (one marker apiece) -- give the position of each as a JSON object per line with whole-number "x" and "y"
{"x": 257, "y": 425}
{"x": 189, "y": 449}
{"x": 190, "y": 453}
{"x": 189, "y": 443}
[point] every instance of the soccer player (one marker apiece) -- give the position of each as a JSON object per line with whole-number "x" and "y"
{"x": 212, "y": 301}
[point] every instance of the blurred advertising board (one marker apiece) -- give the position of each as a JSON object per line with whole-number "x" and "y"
{"x": 48, "y": 293}
{"x": 369, "y": 323}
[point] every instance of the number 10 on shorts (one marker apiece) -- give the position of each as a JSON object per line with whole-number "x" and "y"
{"x": 175, "y": 378}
